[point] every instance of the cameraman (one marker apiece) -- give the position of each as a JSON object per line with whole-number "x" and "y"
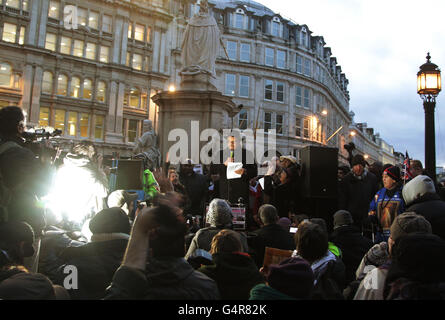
{"x": 19, "y": 173}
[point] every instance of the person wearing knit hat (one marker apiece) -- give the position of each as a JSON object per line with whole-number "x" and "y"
{"x": 291, "y": 279}
{"x": 356, "y": 191}
{"x": 219, "y": 217}
{"x": 98, "y": 260}
{"x": 372, "y": 286}
{"x": 387, "y": 203}
{"x": 342, "y": 218}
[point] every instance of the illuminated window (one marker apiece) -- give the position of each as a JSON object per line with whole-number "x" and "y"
{"x": 230, "y": 84}
{"x": 25, "y": 5}
{"x": 93, "y": 20}
{"x": 22, "y": 35}
{"x": 87, "y": 89}
{"x": 62, "y": 85}
{"x": 306, "y": 128}
{"x": 75, "y": 87}
{"x": 78, "y": 48}
{"x": 59, "y": 122}
{"x": 244, "y": 86}
{"x": 243, "y": 119}
{"x": 270, "y": 59}
{"x": 82, "y": 15}
{"x": 44, "y": 117}
{"x": 107, "y": 23}
{"x": 135, "y": 95}
{"x": 50, "y": 42}
{"x": 72, "y": 123}
{"x": 132, "y": 130}
{"x": 47, "y": 82}
{"x": 9, "y": 32}
{"x": 101, "y": 91}
{"x": 130, "y": 31}
{"x": 99, "y": 128}
{"x": 5, "y": 75}
{"x": 127, "y": 60}
{"x": 104, "y": 54}
{"x": 139, "y": 32}
{"x": 13, "y": 4}
{"x": 54, "y": 9}
{"x": 148, "y": 35}
{"x": 137, "y": 61}
{"x": 91, "y": 51}
{"x": 84, "y": 125}
{"x": 65, "y": 45}
{"x": 268, "y": 89}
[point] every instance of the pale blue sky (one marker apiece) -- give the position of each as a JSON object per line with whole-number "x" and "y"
{"x": 380, "y": 45}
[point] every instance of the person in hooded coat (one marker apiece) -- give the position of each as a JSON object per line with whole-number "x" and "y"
{"x": 233, "y": 270}
{"x": 421, "y": 197}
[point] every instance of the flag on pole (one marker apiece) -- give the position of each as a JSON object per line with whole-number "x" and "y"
{"x": 406, "y": 164}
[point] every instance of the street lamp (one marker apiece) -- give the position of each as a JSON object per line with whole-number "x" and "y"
{"x": 428, "y": 87}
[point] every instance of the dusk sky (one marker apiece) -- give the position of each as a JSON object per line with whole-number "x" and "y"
{"x": 380, "y": 45}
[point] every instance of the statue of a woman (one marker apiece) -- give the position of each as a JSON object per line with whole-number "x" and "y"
{"x": 201, "y": 42}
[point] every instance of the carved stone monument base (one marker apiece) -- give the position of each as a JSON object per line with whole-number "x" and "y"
{"x": 197, "y": 79}
{"x": 178, "y": 109}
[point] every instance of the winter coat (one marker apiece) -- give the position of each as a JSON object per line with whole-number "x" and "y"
{"x": 282, "y": 196}
{"x": 166, "y": 278}
{"x": 433, "y": 209}
{"x": 235, "y": 274}
{"x": 233, "y": 189}
{"x": 329, "y": 274}
{"x": 356, "y": 194}
{"x": 387, "y": 204}
{"x": 203, "y": 240}
{"x": 196, "y": 188}
{"x": 273, "y": 236}
{"x": 353, "y": 247}
{"x": 22, "y": 174}
{"x": 96, "y": 263}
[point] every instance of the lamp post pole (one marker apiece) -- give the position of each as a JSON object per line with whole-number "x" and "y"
{"x": 429, "y": 84}
{"x": 429, "y": 105}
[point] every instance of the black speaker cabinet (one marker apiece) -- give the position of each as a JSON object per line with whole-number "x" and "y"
{"x": 129, "y": 174}
{"x": 319, "y": 172}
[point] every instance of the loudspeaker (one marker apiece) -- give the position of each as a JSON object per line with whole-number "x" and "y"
{"x": 319, "y": 172}
{"x": 129, "y": 175}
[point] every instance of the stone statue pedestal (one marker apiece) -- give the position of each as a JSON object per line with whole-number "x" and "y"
{"x": 178, "y": 109}
{"x": 198, "y": 81}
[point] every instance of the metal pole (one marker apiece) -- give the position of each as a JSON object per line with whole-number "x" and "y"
{"x": 429, "y": 105}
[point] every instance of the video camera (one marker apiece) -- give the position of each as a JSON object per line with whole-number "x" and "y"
{"x": 35, "y": 141}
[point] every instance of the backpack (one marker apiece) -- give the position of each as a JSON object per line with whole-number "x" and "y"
{"x": 5, "y": 192}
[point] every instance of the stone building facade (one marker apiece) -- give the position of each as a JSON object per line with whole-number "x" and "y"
{"x": 90, "y": 68}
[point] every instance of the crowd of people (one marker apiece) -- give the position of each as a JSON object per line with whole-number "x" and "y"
{"x": 387, "y": 241}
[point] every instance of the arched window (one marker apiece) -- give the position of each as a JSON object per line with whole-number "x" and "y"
{"x": 87, "y": 89}
{"x": 62, "y": 85}
{"x": 135, "y": 96}
{"x": 5, "y": 75}
{"x": 75, "y": 87}
{"x": 101, "y": 91}
{"x": 47, "y": 82}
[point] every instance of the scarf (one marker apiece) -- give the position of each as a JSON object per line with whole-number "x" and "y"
{"x": 265, "y": 292}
